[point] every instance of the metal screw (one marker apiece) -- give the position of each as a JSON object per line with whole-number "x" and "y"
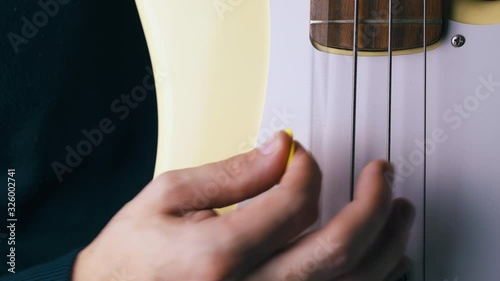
{"x": 458, "y": 41}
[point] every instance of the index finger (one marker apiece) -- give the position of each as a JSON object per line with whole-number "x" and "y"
{"x": 336, "y": 248}
{"x": 280, "y": 214}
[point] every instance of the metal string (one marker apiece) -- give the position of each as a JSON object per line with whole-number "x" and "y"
{"x": 425, "y": 130}
{"x": 389, "y": 95}
{"x": 354, "y": 93}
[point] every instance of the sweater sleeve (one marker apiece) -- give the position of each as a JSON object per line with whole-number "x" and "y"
{"x": 56, "y": 270}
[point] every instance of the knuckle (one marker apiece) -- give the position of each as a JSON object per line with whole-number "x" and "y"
{"x": 308, "y": 201}
{"x": 226, "y": 171}
{"x": 310, "y": 212}
{"x": 231, "y": 171}
{"x": 304, "y": 210}
{"x": 316, "y": 169}
{"x": 313, "y": 176}
{"x": 214, "y": 267}
{"x": 238, "y": 165}
{"x": 172, "y": 182}
{"x": 341, "y": 260}
{"x": 214, "y": 261}
{"x": 172, "y": 179}
{"x": 313, "y": 211}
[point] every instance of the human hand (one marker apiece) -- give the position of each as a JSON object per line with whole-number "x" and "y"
{"x": 365, "y": 241}
{"x": 169, "y": 231}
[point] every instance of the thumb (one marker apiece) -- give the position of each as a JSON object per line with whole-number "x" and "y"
{"x": 219, "y": 184}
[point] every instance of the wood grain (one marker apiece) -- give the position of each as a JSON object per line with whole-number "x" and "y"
{"x": 375, "y": 36}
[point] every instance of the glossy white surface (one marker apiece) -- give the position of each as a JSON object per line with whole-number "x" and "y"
{"x": 462, "y": 227}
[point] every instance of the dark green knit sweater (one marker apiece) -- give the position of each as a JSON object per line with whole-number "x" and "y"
{"x": 79, "y": 148}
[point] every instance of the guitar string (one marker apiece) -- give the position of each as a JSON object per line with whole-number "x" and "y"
{"x": 354, "y": 100}
{"x": 425, "y": 136}
{"x": 389, "y": 86}
{"x": 354, "y": 93}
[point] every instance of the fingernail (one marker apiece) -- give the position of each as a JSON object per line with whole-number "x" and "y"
{"x": 270, "y": 145}
{"x": 407, "y": 214}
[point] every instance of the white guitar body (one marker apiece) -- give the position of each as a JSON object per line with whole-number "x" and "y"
{"x": 458, "y": 235}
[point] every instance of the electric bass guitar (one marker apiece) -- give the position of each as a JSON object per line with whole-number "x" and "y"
{"x": 412, "y": 81}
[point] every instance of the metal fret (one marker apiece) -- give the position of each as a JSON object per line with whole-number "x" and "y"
{"x": 378, "y": 21}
